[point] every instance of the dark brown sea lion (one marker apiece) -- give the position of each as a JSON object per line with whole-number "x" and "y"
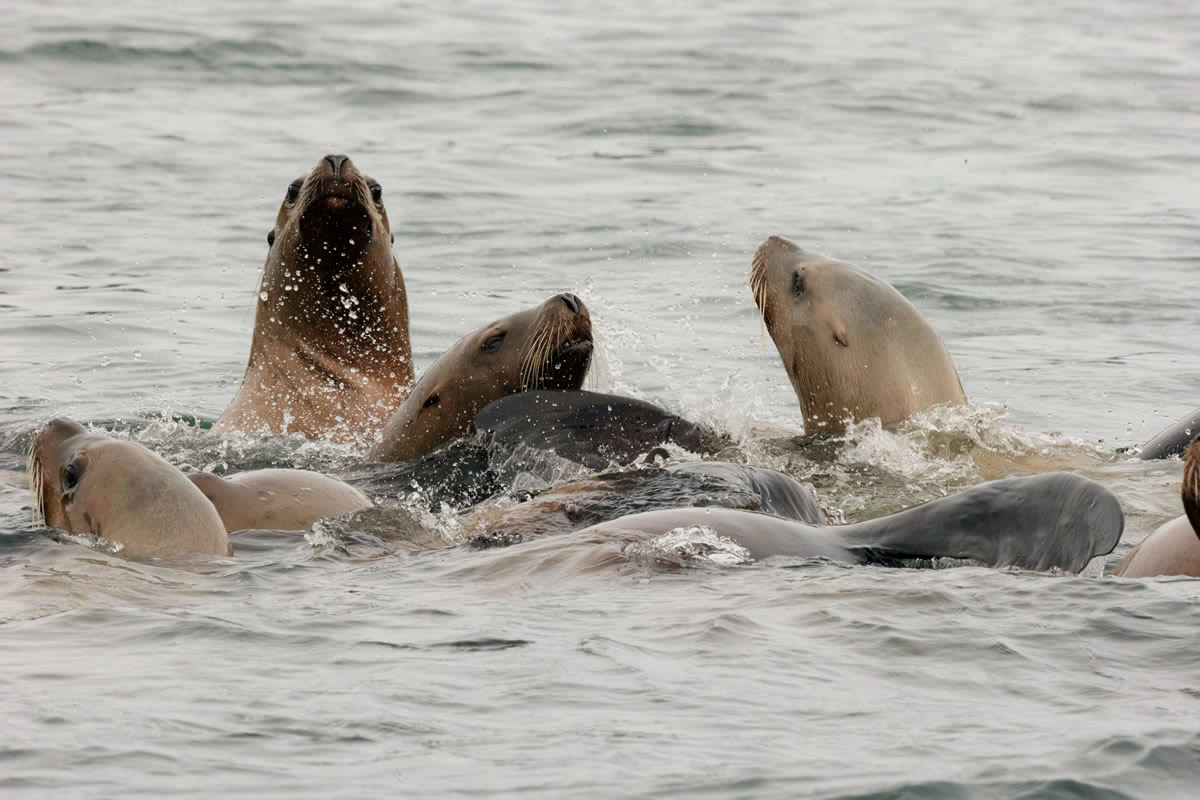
{"x": 330, "y": 354}
{"x": 278, "y": 499}
{"x": 852, "y": 345}
{"x": 545, "y": 347}
{"x": 1173, "y": 549}
{"x": 87, "y": 483}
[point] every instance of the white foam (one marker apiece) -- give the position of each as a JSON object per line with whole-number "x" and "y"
{"x": 691, "y": 544}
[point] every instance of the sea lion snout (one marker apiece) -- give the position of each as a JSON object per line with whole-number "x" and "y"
{"x": 573, "y": 303}
{"x": 337, "y": 162}
{"x": 63, "y": 427}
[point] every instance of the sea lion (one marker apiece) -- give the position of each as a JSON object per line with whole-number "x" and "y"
{"x": 88, "y": 483}
{"x": 1051, "y": 521}
{"x": 1172, "y": 440}
{"x": 852, "y": 345}
{"x": 1173, "y": 549}
{"x": 330, "y": 354}
{"x": 278, "y": 499}
{"x": 591, "y": 428}
{"x": 599, "y": 498}
{"x": 545, "y": 347}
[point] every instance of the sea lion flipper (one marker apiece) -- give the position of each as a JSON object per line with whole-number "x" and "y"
{"x": 1172, "y": 440}
{"x": 1057, "y": 520}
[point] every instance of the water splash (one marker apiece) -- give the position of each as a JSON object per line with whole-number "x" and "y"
{"x": 695, "y": 544}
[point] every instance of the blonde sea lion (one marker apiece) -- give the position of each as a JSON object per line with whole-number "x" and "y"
{"x": 278, "y": 499}
{"x": 852, "y": 345}
{"x": 330, "y": 354}
{"x": 545, "y": 347}
{"x": 1173, "y": 549}
{"x": 87, "y": 483}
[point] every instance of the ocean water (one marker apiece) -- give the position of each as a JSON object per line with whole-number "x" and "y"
{"x": 1025, "y": 174}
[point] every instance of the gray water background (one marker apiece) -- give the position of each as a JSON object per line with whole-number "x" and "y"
{"x": 1025, "y": 174}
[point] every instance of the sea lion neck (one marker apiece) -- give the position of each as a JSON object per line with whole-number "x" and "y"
{"x": 350, "y": 304}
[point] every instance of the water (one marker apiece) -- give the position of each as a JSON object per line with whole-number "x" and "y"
{"x": 1026, "y": 175}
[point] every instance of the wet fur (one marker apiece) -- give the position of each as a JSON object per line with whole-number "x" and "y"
{"x": 444, "y": 403}
{"x": 853, "y": 347}
{"x": 330, "y": 354}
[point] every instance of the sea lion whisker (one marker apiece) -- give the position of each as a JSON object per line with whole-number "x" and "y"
{"x": 37, "y": 483}
{"x": 529, "y": 360}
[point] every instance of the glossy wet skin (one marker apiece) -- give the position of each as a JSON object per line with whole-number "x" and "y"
{"x": 330, "y": 356}
{"x": 278, "y": 499}
{"x": 545, "y": 347}
{"x": 1173, "y": 548}
{"x": 852, "y": 345}
{"x": 88, "y": 483}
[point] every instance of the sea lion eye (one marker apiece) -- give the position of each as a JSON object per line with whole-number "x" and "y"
{"x": 432, "y": 400}
{"x": 797, "y": 285}
{"x": 493, "y": 343}
{"x": 70, "y": 477}
{"x": 376, "y": 193}
{"x": 293, "y": 192}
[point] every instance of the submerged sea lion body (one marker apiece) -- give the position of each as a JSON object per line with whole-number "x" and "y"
{"x": 545, "y": 347}
{"x": 853, "y": 347}
{"x": 87, "y": 483}
{"x": 590, "y": 501}
{"x": 1051, "y": 521}
{"x": 278, "y": 499}
{"x": 1173, "y": 549}
{"x": 330, "y": 355}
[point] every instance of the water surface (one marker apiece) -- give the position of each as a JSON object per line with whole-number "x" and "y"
{"x": 1025, "y": 175}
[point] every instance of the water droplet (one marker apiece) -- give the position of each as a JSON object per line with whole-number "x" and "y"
{"x": 343, "y": 287}
{"x": 262, "y": 296}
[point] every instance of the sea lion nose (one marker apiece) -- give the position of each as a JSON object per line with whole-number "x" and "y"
{"x": 337, "y": 162}
{"x": 572, "y": 302}
{"x": 63, "y": 425}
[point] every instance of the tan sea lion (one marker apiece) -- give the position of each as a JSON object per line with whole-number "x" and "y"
{"x": 1173, "y": 549}
{"x": 88, "y": 483}
{"x": 278, "y": 499}
{"x": 330, "y": 354}
{"x": 852, "y": 345}
{"x": 545, "y": 347}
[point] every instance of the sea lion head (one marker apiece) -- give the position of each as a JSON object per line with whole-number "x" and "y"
{"x": 548, "y": 346}
{"x": 88, "y": 483}
{"x": 852, "y": 345}
{"x": 332, "y": 209}
{"x": 330, "y": 265}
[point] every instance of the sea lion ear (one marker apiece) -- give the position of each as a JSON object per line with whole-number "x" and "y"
{"x": 393, "y": 238}
{"x": 271, "y": 237}
{"x": 839, "y": 335}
